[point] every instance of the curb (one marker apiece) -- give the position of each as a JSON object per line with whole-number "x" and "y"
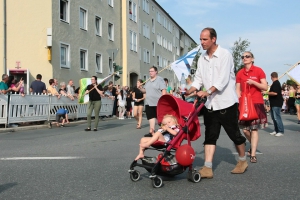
{"x": 35, "y": 127}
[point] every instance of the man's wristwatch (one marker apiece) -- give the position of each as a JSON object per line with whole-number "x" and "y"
{"x": 209, "y": 91}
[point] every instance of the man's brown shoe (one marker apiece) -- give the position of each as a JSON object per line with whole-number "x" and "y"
{"x": 206, "y": 172}
{"x": 240, "y": 167}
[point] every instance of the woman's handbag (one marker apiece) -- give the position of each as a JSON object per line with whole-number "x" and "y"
{"x": 246, "y": 106}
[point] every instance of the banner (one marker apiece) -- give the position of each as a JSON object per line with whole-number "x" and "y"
{"x": 183, "y": 64}
{"x": 294, "y": 74}
{"x": 84, "y": 82}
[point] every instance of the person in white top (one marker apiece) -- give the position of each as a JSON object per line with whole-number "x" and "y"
{"x": 121, "y": 104}
{"x": 216, "y": 73}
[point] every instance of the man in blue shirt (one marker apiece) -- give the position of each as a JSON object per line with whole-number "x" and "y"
{"x": 37, "y": 86}
{"x": 61, "y": 113}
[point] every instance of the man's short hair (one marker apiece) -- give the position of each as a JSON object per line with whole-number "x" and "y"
{"x": 166, "y": 80}
{"x": 39, "y": 76}
{"x": 274, "y": 75}
{"x": 212, "y": 32}
{"x": 4, "y": 76}
{"x": 153, "y": 67}
{"x": 110, "y": 82}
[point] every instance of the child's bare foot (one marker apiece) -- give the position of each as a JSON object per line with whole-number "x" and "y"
{"x": 139, "y": 156}
{"x": 144, "y": 145}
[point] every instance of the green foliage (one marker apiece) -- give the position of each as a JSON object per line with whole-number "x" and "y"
{"x": 239, "y": 47}
{"x": 291, "y": 82}
{"x": 195, "y": 61}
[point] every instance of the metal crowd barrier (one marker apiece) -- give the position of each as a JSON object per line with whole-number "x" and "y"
{"x": 18, "y": 109}
{"x": 3, "y": 109}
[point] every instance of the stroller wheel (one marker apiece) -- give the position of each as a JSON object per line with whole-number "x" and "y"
{"x": 194, "y": 176}
{"x": 157, "y": 182}
{"x": 135, "y": 175}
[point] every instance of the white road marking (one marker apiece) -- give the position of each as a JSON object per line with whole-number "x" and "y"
{"x": 41, "y": 158}
{"x": 246, "y": 153}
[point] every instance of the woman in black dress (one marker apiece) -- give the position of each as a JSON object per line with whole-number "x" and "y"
{"x": 138, "y": 96}
{"x": 128, "y": 104}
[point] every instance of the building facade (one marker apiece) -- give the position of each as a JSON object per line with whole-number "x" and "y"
{"x": 74, "y": 39}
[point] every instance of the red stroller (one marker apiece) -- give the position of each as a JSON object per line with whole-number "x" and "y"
{"x": 165, "y": 164}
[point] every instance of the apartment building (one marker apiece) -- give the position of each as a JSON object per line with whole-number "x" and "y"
{"x": 74, "y": 39}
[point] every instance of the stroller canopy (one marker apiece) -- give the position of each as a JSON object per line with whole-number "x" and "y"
{"x": 168, "y": 104}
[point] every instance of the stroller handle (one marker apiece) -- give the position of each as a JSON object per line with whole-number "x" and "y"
{"x": 201, "y": 100}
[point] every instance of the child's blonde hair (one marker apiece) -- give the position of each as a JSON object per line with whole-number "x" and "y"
{"x": 172, "y": 117}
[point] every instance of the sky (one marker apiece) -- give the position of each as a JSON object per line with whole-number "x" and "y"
{"x": 271, "y": 26}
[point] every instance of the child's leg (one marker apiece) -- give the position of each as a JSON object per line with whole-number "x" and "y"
{"x": 142, "y": 149}
{"x": 156, "y": 136}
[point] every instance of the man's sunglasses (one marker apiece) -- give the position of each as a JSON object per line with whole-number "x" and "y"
{"x": 247, "y": 56}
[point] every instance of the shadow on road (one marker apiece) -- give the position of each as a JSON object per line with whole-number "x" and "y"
{"x": 7, "y": 186}
{"x": 221, "y": 155}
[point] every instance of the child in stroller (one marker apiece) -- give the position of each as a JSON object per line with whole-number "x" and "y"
{"x": 169, "y": 128}
{"x": 166, "y": 163}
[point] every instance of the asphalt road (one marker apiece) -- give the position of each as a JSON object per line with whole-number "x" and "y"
{"x": 69, "y": 163}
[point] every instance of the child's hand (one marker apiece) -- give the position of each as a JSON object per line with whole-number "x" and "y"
{"x": 164, "y": 127}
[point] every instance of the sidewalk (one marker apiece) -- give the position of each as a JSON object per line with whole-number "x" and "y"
{"x": 25, "y": 127}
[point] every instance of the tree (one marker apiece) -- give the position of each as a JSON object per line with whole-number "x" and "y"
{"x": 195, "y": 61}
{"x": 239, "y": 47}
{"x": 290, "y": 82}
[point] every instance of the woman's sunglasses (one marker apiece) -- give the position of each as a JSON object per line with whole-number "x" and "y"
{"x": 247, "y": 56}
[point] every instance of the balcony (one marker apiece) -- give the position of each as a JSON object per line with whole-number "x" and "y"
{"x": 181, "y": 43}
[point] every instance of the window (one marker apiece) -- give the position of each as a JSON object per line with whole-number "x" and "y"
{"x": 170, "y": 46}
{"x": 83, "y": 19}
{"x": 110, "y": 31}
{"x": 153, "y": 49}
{"x": 159, "y": 39}
{"x": 159, "y": 61}
{"x": 133, "y": 41}
{"x": 83, "y": 59}
{"x": 177, "y": 33}
{"x": 153, "y": 26}
{"x": 145, "y": 77}
{"x": 64, "y": 55}
{"x": 132, "y": 11}
{"x": 146, "y": 6}
{"x": 110, "y": 65}
{"x": 146, "y": 56}
{"x": 170, "y": 27}
{"x": 98, "y": 63}
{"x": 146, "y": 31}
{"x": 64, "y": 10}
{"x": 164, "y": 44}
{"x": 98, "y": 25}
{"x": 158, "y": 17}
{"x": 110, "y": 3}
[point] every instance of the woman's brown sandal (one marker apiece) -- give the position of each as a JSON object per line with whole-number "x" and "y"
{"x": 253, "y": 159}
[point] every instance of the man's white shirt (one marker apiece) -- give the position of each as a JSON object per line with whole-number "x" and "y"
{"x": 217, "y": 71}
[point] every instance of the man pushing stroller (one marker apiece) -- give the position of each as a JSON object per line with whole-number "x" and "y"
{"x": 216, "y": 73}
